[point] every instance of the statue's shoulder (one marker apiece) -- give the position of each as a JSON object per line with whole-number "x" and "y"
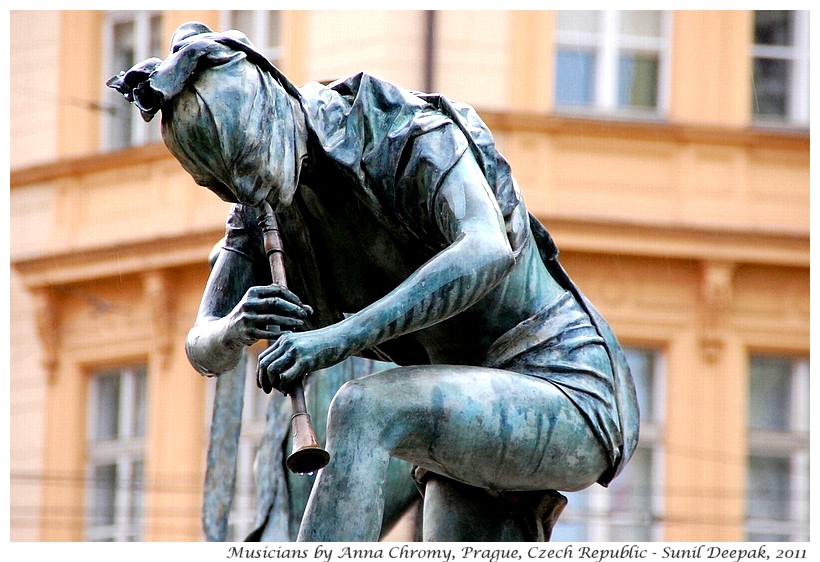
{"x": 362, "y": 89}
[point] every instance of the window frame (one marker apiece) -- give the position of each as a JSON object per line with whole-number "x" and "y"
{"x": 260, "y": 34}
{"x": 608, "y": 44}
{"x": 798, "y": 86}
{"x": 141, "y": 133}
{"x": 123, "y": 451}
{"x": 792, "y": 444}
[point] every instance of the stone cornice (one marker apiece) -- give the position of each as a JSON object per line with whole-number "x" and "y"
{"x": 643, "y": 239}
{"x": 658, "y": 131}
{"x": 572, "y": 234}
{"x": 783, "y": 139}
{"x": 101, "y": 262}
{"x": 84, "y": 165}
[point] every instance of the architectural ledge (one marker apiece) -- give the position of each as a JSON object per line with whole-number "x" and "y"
{"x": 661, "y": 130}
{"x": 84, "y": 165}
{"x": 87, "y": 264}
{"x": 643, "y": 239}
{"x": 572, "y": 234}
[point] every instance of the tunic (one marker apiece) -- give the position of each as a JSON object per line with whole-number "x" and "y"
{"x": 392, "y": 147}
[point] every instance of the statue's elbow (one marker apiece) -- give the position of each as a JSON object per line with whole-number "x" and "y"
{"x": 490, "y": 256}
{"x": 506, "y": 258}
{"x": 500, "y": 257}
{"x": 198, "y": 355}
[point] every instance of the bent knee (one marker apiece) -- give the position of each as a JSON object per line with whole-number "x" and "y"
{"x": 372, "y": 411}
{"x": 354, "y": 407}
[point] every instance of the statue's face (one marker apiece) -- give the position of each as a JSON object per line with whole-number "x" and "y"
{"x": 238, "y": 136}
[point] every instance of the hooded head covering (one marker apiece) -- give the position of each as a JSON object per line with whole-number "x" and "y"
{"x": 232, "y": 119}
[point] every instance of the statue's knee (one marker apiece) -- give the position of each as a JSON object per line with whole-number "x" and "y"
{"x": 349, "y": 406}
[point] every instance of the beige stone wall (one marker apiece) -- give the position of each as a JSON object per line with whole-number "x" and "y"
{"x": 116, "y": 321}
{"x": 473, "y": 61}
{"x": 712, "y": 66}
{"x": 27, "y": 404}
{"x": 140, "y": 198}
{"x": 34, "y": 99}
{"x": 33, "y": 128}
{"x": 701, "y": 178}
{"x": 387, "y": 44}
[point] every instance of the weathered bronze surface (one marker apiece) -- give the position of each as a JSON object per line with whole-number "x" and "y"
{"x": 406, "y": 234}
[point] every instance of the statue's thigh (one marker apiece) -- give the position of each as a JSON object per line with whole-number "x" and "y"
{"x": 486, "y": 427}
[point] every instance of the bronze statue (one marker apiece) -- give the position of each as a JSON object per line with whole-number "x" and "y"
{"x": 405, "y": 232}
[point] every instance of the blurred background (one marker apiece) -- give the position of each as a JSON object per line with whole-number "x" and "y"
{"x": 666, "y": 151}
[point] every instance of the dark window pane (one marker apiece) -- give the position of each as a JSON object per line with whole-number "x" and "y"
{"x": 242, "y": 20}
{"x": 123, "y": 57}
{"x": 274, "y": 28}
{"x": 774, "y": 27}
{"x": 642, "y": 364}
{"x": 155, "y": 42}
{"x": 140, "y": 400}
{"x": 770, "y": 86}
{"x": 631, "y": 491}
{"x": 633, "y": 531}
{"x": 572, "y": 531}
{"x": 767, "y": 537}
{"x": 768, "y": 494}
{"x": 638, "y": 80}
{"x": 575, "y": 70}
{"x": 107, "y": 395}
{"x": 124, "y": 45}
{"x": 573, "y": 525}
{"x": 137, "y": 488}
{"x": 103, "y": 494}
{"x": 770, "y": 393}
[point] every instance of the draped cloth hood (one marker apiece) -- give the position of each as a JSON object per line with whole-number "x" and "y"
{"x": 229, "y": 116}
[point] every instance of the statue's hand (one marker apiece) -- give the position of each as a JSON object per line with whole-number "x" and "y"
{"x": 295, "y": 355}
{"x": 261, "y": 312}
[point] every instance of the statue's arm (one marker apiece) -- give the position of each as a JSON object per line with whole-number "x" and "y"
{"x": 476, "y": 258}
{"x": 236, "y": 312}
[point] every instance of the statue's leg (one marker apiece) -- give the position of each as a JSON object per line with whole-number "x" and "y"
{"x": 457, "y": 512}
{"x": 484, "y": 427}
{"x": 400, "y": 490}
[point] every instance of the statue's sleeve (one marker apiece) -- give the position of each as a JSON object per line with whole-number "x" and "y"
{"x": 426, "y": 161}
{"x": 243, "y": 236}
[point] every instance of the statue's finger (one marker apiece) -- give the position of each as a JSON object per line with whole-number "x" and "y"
{"x": 284, "y": 321}
{"x": 289, "y": 378}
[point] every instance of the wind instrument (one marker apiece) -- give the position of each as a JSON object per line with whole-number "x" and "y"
{"x": 306, "y": 455}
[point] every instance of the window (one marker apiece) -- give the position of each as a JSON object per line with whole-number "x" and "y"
{"x": 262, "y": 27}
{"x": 777, "y": 487}
{"x": 780, "y": 67}
{"x": 115, "y": 454}
{"x": 129, "y": 38}
{"x": 612, "y": 61}
{"x": 243, "y": 510}
{"x": 629, "y": 509}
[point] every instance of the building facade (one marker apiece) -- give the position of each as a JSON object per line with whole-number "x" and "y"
{"x": 667, "y": 153}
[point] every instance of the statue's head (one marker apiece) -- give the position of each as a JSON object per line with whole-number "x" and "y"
{"x": 231, "y": 119}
